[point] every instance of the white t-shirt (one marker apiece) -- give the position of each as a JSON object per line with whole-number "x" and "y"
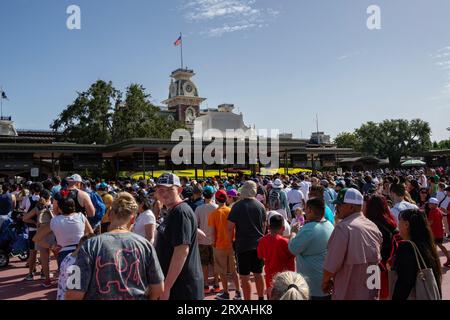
{"x": 64, "y": 275}
{"x": 68, "y": 230}
{"x": 26, "y": 204}
{"x": 441, "y": 195}
{"x": 145, "y": 218}
{"x": 445, "y": 203}
{"x": 399, "y": 207}
{"x": 304, "y": 186}
{"x": 295, "y": 196}
{"x": 202, "y": 214}
{"x": 287, "y": 227}
{"x": 284, "y": 214}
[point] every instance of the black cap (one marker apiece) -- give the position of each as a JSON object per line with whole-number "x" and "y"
{"x": 187, "y": 192}
{"x": 197, "y": 189}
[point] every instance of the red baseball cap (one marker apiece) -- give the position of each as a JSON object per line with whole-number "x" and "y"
{"x": 221, "y": 196}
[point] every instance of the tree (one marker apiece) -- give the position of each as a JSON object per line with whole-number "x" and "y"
{"x": 138, "y": 118}
{"x": 347, "y": 140}
{"x": 395, "y": 139}
{"x": 88, "y": 118}
{"x": 99, "y": 116}
{"x": 369, "y": 136}
{"x": 441, "y": 145}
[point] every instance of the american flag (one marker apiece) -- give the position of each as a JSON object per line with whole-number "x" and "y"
{"x": 178, "y": 42}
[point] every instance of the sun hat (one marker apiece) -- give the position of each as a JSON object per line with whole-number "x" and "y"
{"x": 277, "y": 184}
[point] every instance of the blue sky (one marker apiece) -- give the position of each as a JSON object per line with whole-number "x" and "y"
{"x": 279, "y": 62}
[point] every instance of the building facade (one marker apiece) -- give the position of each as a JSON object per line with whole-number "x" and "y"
{"x": 24, "y": 150}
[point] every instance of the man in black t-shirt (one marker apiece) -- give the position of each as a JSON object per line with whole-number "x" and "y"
{"x": 176, "y": 244}
{"x": 248, "y": 218}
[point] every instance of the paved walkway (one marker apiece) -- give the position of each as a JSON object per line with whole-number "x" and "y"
{"x": 13, "y": 287}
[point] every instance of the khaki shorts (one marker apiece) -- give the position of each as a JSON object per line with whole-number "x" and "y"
{"x": 224, "y": 261}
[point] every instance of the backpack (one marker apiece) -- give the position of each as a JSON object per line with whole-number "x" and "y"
{"x": 69, "y": 194}
{"x": 100, "y": 209}
{"x": 274, "y": 200}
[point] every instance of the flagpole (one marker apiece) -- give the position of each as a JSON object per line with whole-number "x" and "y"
{"x": 1, "y": 103}
{"x": 181, "y": 37}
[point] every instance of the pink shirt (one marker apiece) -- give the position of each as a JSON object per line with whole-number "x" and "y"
{"x": 354, "y": 245}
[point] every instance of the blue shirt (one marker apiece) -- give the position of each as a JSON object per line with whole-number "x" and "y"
{"x": 310, "y": 249}
{"x": 329, "y": 196}
{"x": 329, "y": 215}
{"x": 55, "y": 190}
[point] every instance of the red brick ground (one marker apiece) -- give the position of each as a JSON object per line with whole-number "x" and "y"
{"x": 12, "y": 286}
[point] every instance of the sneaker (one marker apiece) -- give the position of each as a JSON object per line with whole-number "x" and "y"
{"x": 216, "y": 289}
{"x": 237, "y": 296}
{"x": 206, "y": 289}
{"x": 223, "y": 296}
{"x": 47, "y": 283}
{"x": 29, "y": 277}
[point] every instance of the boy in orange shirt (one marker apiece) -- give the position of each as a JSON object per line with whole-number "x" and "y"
{"x": 224, "y": 259}
{"x": 273, "y": 249}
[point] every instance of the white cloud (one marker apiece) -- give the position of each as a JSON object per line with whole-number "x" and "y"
{"x": 217, "y": 32}
{"x": 211, "y": 9}
{"x": 227, "y": 16}
{"x": 350, "y": 55}
{"x": 443, "y": 63}
{"x": 447, "y": 48}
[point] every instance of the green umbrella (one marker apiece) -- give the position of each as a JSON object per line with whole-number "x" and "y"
{"x": 413, "y": 163}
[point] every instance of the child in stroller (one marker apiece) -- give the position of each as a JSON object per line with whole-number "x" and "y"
{"x": 13, "y": 238}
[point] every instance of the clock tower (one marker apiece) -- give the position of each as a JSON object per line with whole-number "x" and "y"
{"x": 183, "y": 97}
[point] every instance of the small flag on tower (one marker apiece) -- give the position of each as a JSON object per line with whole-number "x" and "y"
{"x": 178, "y": 42}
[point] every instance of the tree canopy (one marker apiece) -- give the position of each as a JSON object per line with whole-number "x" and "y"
{"x": 98, "y": 115}
{"x": 392, "y": 139}
{"x": 137, "y": 117}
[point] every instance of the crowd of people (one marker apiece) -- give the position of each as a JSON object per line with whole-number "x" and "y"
{"x": 303, "y": 236}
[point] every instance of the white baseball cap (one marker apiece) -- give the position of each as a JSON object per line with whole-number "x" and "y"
{"x": 349, "y": 196}
{"x": 168, "y": 180}
{"x": 433, "y": 201}
{"x": 75, "y": 178}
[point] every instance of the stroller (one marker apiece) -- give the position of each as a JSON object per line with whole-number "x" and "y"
{"x": 13, "y": 238}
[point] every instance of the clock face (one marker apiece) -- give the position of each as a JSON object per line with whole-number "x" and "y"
{"x": 188, "y": 89}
